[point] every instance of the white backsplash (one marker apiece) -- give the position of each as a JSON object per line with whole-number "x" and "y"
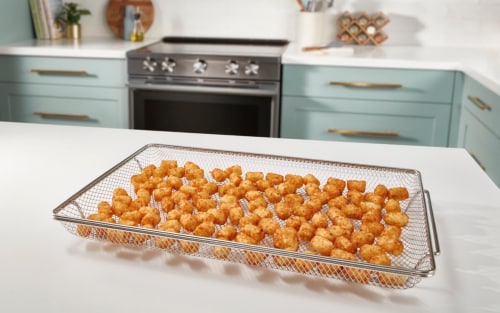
{"x": 412, "y": 22}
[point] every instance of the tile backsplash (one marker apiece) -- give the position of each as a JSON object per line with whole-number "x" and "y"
{"x": 412, "y": 22}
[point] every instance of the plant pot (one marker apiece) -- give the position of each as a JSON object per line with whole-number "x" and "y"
{"x": 73, "y": 31}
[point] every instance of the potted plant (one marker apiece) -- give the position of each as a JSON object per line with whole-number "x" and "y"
{"x": 70, "y": 17}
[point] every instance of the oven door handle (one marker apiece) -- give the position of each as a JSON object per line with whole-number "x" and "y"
{"x": 272, "y": 91}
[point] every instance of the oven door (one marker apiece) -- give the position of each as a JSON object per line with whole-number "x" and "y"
{"x": 252, "y": 110}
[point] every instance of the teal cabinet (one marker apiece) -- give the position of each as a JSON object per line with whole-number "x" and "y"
{"x": 15, "y": 21}
{"x": 394, "y": 106}
{"x": 70, "y": 91}
{"x": 479, "y": 130}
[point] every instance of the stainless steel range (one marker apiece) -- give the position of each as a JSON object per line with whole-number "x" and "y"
{"x": 207, "y": 85}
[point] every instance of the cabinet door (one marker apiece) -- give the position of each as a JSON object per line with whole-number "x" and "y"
{"x": 361, "y": 121}
{"x": 68, "y": 105}
{"x": 369, "y": 83}
{"x": 481, "y": 143}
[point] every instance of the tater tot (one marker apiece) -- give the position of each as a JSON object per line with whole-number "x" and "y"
{"x": 254, "y": 176}
{"x": 134, "y": 216}
{"x": 148, "y": 170}
{"x": 247, "y": 185}
{"x": 185, "y": 206}
{"x": 381, "y": 190}
{"x": 314, "y": 204}
{"x": 304, "y": 266}
{"x": 380, "y": 259}
{"x": 319, "y": 220}
{"x": 358, "y": 185}
{"x": 372, "y": 216}
{"x": 178, "y": 196}
{"x": 322, "y": 245}
{"x": 228, "y": 232}
{"x": 293, "y": 198}
{"x": 337, "y": 231}
{"x": 282, "y": 210}
{"x": 174, "y": 182}
{"x": 398, "y": 193}
{"x": 143, "y": 193}
{"x": 198, "y": 183}
{"x": 374, "y": 198}
{"x": 263, "y": 212}
{"x": 282, "y": 260}
{"x": 399, "y": 219}
{"x": 312, "y": 188}
{"x": 359, "y": 238}
{"x": 244, "y": 238}
{"x": 220, "y": 216}
{"x": 332, "y": 190}
{"x": 286, "y": 188}
{"x": 119, "y": 236}
{"x": 83, "y": 230}
{"x": 358, "y": 275}
{"x": 269, "y": 225}
{"x": 339, "y": 183}
{"x": 324, "y": 232}
{"x": 352, "y": 211}
{"x": 355, "y": 197}
{"x": 295, "y": 222}
{"x": 286, "y": 238}
{"x": 322, "y": 197}
{"x": 262, "y": 184}
{"x": 205, "y": 229}
{"x": 392, "y": 206}
{"x": 253, "y": 231}
{"x": 160, "y": 193}
{"x": 150, "y": 219}
{"x": 369, "y": 206}
{"x": 257, "y": 204}
{"x": 219, "y": 175}
{"x": 337, "y": 202}
{"x": 296, "y": 180}
{"x": 306, "y": 231}
{"x": 188, "y": 221}
{"x": 176, "y": 172}
{"x": 204, "y": 205}
{"x": 189, "y": 190}
{"x": 328, "y": 269}
{"x": 235, "y": 179}
{"x": 375, "y": 228}
{"x": 273, "y": 195}
{"x": 105, "y": 208}
{"x": 204, "y": 217}
{"x": 236, "y": 213}
{"x": 333, "y": 212}
{"x": 391, "y": 231}
{"x": 274, "y": 178}
{"x": 210, "y": 188}
{"x": 344, "y": 222}
{"x": 303, "y": 210}
{"x": 345, "y": 244}
{"x": 253, "y": 195}
{"x": 392, "y": 279}
{"x": 310, "y": 178}
{"x": 391, "y": 245}
{"x": 234, "y": 169}
{"x": 251, "y": 218}
{"x": 171, "y": 226}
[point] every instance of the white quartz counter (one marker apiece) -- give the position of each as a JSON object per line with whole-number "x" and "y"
{"x": 482, "y": 64}
{"x": 84, "y": 48}
{"x": 45, "y": 269}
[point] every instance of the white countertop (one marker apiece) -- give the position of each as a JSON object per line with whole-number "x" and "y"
{"x": 114, "y": 48}
{"x": 482, "y": 64}
{"x": 46, "y": 269}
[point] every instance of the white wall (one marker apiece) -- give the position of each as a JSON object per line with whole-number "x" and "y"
{"x": 413, "y": 22}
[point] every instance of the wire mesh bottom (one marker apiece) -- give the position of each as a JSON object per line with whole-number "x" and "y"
{"x": 405, "y": 271}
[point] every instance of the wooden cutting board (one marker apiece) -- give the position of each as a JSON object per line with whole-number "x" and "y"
{"x": 115, "y": 13}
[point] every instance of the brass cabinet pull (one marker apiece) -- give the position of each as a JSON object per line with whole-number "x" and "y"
{"x": 479, "y": 103}
{"x": 481, "y": 165}
{"x": 366, "y": 85}
{"x": 60, "y": 115}
{"x": 59, "y": 72}
{"x": 349, "y": 132}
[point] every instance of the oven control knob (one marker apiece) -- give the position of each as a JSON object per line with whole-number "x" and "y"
{"x": 168, "y": 65}
{"x": 232, "y": 67}
{"x": 200, "y": 66}
{"x": 252, "y": 68}
{"x": 149, "y": 64}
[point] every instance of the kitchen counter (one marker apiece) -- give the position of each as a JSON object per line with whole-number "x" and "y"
{"x": 46, "y": 269}
{"x": 114, "y": 48}
{"x": 482, "y": 64}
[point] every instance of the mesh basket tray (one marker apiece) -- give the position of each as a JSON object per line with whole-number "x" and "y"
{"x": 419, "y": 236}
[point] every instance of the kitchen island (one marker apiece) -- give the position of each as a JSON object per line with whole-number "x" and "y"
{"x": 45, "y": 269}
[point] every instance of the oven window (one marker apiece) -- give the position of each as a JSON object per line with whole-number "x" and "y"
{"x": 202, "y": 113}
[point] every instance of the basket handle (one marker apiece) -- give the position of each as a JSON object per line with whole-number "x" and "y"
{"x": 432, "y": 222}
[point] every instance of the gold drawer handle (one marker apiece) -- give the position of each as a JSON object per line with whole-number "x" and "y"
{"x": 366, "y": 85}
{"x": 479, "y": 103}
{"x": 481, "y": 165}
{"x": 59, "y": 72}
{"x": 60, "y": 115}
{"x": 349, "y": 132}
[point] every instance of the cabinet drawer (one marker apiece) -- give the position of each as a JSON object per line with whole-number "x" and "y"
{"x": 481, "y": 143}
{"x": 63, "y": 71}
{"x": 82, "y": 106}
{"x": 483, "y": 103}
{"x": 352, "y": 120}
{"x": 368, "y": 83}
